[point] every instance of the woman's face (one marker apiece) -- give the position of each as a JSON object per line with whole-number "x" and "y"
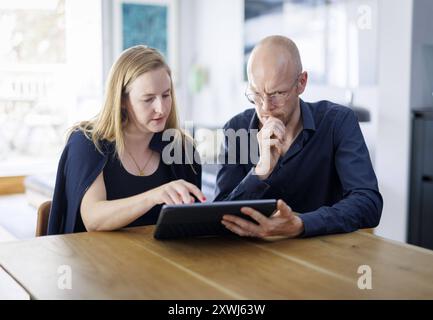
{"x": 149, "y": 101}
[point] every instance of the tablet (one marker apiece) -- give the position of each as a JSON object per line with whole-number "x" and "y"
{"x": 204, "y": 219}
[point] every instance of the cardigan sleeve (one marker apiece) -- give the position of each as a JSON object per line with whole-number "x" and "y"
{"x": 79, "y": 165}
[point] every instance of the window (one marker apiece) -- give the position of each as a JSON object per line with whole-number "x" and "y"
{"x": 50, "y": 77}
{"x": 335, "y": 37}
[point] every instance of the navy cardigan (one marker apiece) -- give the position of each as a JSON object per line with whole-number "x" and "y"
{"x": 79, "y": 166}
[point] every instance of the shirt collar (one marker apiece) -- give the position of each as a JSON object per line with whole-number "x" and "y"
{"x": 307, "y": 117}
{"x": 254, "y": 123}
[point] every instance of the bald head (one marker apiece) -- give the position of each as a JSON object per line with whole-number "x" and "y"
{"x": 275, "y": 69}
{"x": 275, "y": 54}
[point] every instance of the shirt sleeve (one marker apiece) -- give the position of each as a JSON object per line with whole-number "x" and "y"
{"x": 233, "y": 184}
{"x": 234, "y": 180}
{"x": 361, "y": 206}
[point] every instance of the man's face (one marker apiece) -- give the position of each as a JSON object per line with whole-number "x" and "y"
{"x": 276, "y": 92}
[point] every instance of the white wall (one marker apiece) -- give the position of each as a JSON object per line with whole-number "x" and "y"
{"x": 219, "y": 43}
{"x": 365, "y": 96}
{"x": 186, "y": 24}
{"x": 392, "y": 145}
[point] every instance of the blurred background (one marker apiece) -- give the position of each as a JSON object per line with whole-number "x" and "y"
{"x": 375, "y": 56}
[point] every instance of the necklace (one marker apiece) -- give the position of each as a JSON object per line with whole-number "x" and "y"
{"x": 140, "y": 171}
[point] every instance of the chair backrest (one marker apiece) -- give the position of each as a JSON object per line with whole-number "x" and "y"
{"x": 42, "y": 222}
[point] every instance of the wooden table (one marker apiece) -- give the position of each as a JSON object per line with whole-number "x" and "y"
{"x": 10, "y": 289}
{"x": 130, "y": 264}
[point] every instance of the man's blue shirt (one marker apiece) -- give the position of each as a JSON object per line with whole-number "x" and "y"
{"x": 326, "y": 175}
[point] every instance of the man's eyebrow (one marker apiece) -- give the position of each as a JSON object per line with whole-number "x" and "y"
{"x": 268, "y": 93}
{"x": 154, "y": 94}
{"x": 279, "y": 88}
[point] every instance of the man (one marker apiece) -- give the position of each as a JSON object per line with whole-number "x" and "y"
{"x": 312, "y": 156}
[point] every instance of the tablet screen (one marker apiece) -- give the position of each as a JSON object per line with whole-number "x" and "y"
{"x": 204, "y": 219}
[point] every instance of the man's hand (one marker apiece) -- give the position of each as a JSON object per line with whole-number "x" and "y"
{"x": 283, "y": 223}
{"x": 271, "y": 139}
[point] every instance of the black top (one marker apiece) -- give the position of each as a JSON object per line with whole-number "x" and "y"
{"x": 120, "y": 184}
{"x": 81, "y": 163}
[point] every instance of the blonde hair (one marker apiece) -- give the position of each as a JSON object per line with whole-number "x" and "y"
{"x": 109, "y": 123}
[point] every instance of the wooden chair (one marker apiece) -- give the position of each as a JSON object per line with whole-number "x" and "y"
{"x": 42, "y": 222}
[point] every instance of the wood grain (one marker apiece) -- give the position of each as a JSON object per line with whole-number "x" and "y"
{"x": 131, "y": 264}
{"x": 103, "y": 265}
{"x": 399, "y": 271}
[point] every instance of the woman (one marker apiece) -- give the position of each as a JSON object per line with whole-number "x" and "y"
{"x": 111, "y": 174}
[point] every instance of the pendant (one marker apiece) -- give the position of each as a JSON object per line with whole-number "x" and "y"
{"x": 141, "y": 173}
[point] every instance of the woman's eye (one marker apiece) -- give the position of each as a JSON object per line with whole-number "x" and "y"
{"x": 166, "y": 96}
{"x": 149, "y": 100}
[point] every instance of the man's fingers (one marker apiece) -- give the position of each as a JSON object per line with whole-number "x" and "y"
{"x": 284, "y": 209}
{"x": 274, "y": 128}
{"x": 245, "y": 225}
{"x": 235, "y": 228}
{"x": 256, "y": 215}
{"x": 278, "y": 134}
{"x": 276, "y": 214}
{"x": 277, "y": 145}
{"x": 274, "y": 121}
{"x": 277, "y": 131}
{"x": 270, "y": 145}
{"x": 266, "y": 133}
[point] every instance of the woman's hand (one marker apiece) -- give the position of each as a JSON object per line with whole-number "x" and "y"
{"x": 176, "y": 192}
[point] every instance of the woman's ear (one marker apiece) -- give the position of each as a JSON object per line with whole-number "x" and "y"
{"x": 124, "y": 106}
{"x": 124, "y": 113}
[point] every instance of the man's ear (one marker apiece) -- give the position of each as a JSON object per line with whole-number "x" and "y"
{"x": 303, "y": 80}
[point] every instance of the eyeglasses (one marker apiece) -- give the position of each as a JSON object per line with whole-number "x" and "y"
{"x": 277, "y": 98}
